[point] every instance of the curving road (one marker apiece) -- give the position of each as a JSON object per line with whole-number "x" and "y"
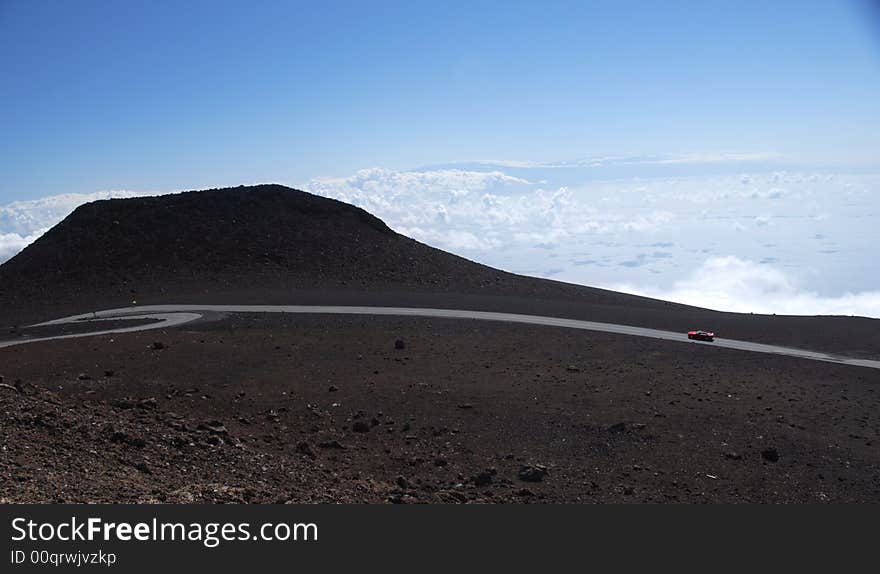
{"x": 173, "y": 315}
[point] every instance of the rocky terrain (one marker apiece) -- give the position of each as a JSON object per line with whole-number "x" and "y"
{"x": 337, "y": 409}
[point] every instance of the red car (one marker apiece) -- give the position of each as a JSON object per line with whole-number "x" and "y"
{"x": 701, "y": 335}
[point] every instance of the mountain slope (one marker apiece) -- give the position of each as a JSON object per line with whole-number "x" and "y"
{"x": 265, "y": 236}
{"x": 273, "y": 244}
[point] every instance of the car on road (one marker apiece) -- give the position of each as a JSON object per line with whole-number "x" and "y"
{"x": 701, "y": 336}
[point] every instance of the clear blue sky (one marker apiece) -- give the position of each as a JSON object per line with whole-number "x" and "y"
{"x": 165, "y": 95}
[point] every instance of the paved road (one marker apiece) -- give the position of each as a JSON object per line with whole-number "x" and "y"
{"x": 172, "y": 315}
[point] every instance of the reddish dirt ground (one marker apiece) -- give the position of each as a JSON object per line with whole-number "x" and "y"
{"x": 258, "y": 408}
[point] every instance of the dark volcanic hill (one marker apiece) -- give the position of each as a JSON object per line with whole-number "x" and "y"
{"x": 273, "y": 244}
{"x": 265, "y": 236}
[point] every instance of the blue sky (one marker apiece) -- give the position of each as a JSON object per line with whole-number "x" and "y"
{"x": 723, "y": 154}
{"x": 169, "y": 95}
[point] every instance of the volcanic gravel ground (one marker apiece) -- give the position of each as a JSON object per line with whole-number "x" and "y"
{"x": 258, "y": 408}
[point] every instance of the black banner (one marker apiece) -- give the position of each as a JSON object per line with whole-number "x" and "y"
{"x": 236, "y": 538}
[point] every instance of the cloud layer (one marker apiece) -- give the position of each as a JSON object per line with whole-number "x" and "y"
{"x": 768, "y": 241}
{"x": 22, "y": 222}
{"x": 733, "y": 284}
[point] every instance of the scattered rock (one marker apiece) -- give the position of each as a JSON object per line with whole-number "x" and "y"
{"x": 360, "y": 426}
{"x": 124, "y": 404}
{"x": 466, "y": 406}
{"x": 483, "y": 479}
{"x": 733, "y": 456}
{"x": 770, "y": 455}
{"x": 524, "y": 492}
{"x": 124, "y": 438}
{"x": 157, "y": 345}
{"x": 402, "y": 482}
{"x": 142, "y": 466}
{"x": 306, "y": 449}
{"x": 150, "y": 403}
{"x": 617, "y": 427}
{"x": 84, "y": 377}
{"x": 573, "y": 369}
{"x": 335, "y": 444}
{"x": 332, "y": 389}
{"x": 399, "y": 344}
{"x": 214, "y": 427}
{"x": 108, "y": 373}
{"x": 532, "y": 473}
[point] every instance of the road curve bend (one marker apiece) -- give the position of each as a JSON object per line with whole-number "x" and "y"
{"x": 173, "y": 315}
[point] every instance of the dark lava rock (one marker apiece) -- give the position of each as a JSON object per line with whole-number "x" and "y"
{"x": 770, "y": 455}
{"x": 137, "y": 442}
{"x": 150, "y": 403}
{"x": 618, "y": 427}
{"x": 532, "y": 473}
{"x": 402, "y": 482}
{"x": 306, "y": 449}
{"x": 733, "y": 456}
{"x": 124, "y": 438}
{"x": 335, "y": 444}
{"x": 399, "y": 344}
{"x": 483, "y": 479}
{"x": 360, "y": 426}
{"x": 157, "y": 346}
{"x": 332, "y": 389}
{"x": 214, "y": 427}
{"x": 109, "y": 373}
{"x": 573, "y": 369}
{"x": 84, "y": 377}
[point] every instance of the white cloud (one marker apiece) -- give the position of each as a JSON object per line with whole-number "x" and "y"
{"x": 814, "y": 226}
{"x": 22, "y": 222}
{"x": 481, "y": 211}
{"x": 733, "y": 284}
{"x": 817, "y": 229}
{"x": 12, "y": 243}
{"x": 684, "y": 159}
{"x": 712, "y": 157}
{"x": 30, "y": 215}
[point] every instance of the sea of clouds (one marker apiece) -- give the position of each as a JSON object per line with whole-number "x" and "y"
{"x": 786, "y": 242}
